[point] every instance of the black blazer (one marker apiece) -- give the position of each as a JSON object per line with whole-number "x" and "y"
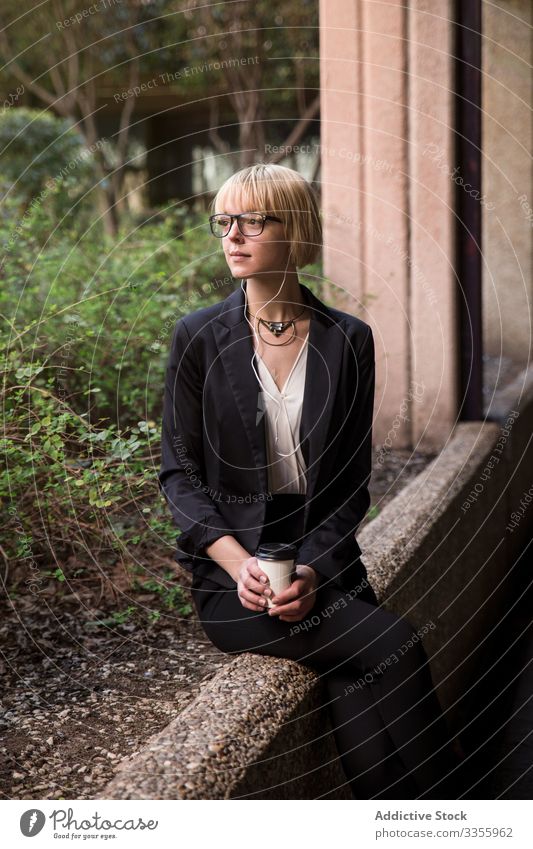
{"x": 213, "y": 469}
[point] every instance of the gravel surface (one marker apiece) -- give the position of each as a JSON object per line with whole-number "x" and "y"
{"x": 391, "y": 472}
{"x": 78, "y": 696}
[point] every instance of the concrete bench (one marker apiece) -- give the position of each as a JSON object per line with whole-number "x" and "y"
{"x": 439, "y": 552}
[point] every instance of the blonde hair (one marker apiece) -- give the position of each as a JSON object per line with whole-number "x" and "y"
{"x": 283, "y": 192}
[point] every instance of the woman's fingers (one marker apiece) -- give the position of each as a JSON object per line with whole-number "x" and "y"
{"x": 252, "y": 578}
{"x": 293, "y": 617}
{"x": 258, "y": 608}
{"x": 250, "y": 588}
{"x": 293, "y": 608}
{"x": 285, "y": 610}
{"x": 296, "y": 589}
{"x": 254, "y": 586}
{"x": 254, "y": 601}
{"x": 286, "y": 596}
{"x": 302, "y": 600}
{"x": 289, "y": 604}
{"x": 255, "y": 579}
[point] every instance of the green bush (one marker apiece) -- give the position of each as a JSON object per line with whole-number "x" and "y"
{"x": 99, "y": 312}
{"x": 69, "y": 488}
{"x": 46, "y": 171}
{"x": 35, "y": 147}
{"x": 87, "y": 325}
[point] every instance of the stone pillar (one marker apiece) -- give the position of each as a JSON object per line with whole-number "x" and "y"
{"x": 386, "y": 116}
{"x": 507, "y": 185}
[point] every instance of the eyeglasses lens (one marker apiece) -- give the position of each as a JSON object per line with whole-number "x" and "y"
{"x": 250, "y": 225}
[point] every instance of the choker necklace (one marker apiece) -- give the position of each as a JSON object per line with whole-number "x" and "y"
{"x": 278, "y": 327}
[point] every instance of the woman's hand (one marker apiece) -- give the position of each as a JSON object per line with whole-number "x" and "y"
{"x": 252, "y": 585}
{"x": 297, "y": 600}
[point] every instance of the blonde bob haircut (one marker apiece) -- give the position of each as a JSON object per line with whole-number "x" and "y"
{"x": 283, "y": 192}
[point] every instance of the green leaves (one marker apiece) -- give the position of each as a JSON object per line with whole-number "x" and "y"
{"x": 172, "y": 595}
{"x": 34, "y": 147}
{"x": 28, "y": 372}
{"x": 89, "y": 324}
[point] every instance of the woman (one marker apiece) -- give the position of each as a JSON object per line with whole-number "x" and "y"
{"x": 267, "y": 437}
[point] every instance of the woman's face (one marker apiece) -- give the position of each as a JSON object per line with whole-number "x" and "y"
{"x": 261, "y": 254}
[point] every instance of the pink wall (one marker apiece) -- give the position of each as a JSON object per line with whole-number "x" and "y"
{"x": 386, "y": 115}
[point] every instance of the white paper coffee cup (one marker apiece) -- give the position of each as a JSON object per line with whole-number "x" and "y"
{"x": 277, "y": 562}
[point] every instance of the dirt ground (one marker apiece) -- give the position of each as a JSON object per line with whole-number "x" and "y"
{"x": 81, "y": 691}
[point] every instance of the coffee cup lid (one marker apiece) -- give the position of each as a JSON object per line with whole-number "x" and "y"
{"x": 276, "y": 551}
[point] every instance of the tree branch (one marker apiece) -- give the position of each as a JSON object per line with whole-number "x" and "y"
{"x": 296, "y": 134}
{"x": 18, "y": 72}
{"x": 218, "y": 142}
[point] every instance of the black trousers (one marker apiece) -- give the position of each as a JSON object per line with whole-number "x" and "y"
{"x": 391, "y": 736}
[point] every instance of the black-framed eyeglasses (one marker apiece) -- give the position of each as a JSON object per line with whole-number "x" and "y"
{"x": 249, "y": 223}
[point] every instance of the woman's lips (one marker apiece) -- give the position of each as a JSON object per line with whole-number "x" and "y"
{"x": 239, "y": 257}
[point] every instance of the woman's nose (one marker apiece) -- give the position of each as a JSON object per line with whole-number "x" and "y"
{"x": 234, "y": 230}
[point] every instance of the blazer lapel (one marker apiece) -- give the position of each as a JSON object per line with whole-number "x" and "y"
{"x": 235, "y": 348}
{"x": 324, "y": 358}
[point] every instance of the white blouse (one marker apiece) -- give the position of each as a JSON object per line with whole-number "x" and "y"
{"x": 283, "y": 413}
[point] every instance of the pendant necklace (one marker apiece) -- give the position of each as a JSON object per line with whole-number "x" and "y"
{"x": 277, "y": 328}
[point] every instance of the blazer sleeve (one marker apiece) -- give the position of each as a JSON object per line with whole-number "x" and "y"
{"x": 182, "y": 475}
{"x": 331, "y": 546}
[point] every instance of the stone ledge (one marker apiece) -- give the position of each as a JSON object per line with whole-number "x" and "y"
{"x": 256, "y": 730}
{"x": 393, "y": 539}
